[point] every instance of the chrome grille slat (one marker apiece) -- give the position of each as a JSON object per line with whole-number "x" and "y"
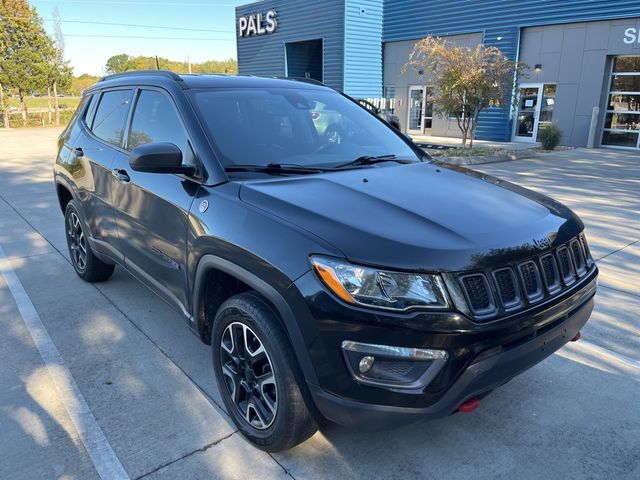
{"x": 510, "y": 288}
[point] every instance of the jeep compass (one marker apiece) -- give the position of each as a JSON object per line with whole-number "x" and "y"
{"x": 353, "y": 280}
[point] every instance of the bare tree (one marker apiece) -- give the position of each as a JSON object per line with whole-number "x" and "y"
{"x": 58, "y": 59}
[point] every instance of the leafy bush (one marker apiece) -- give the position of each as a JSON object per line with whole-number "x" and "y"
{"x": 549, "y": 136}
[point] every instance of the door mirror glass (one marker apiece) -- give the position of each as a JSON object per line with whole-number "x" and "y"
{"x": 158, "y": 158}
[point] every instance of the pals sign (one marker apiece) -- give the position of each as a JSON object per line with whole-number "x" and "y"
{"x": 257, "y": 24}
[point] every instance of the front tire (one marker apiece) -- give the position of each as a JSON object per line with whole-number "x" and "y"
{"x": 258, "y": 374}
{"x": 88, "y": 267}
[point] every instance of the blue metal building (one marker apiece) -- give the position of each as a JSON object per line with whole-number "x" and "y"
{"x": 582, "y": 54}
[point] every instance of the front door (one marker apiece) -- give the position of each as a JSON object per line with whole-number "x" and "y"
{"x": 415, "y": 111}
{"x": 528, "y": 114}
{"x": 420, "y": 111}
{"x": 152, "y": 209}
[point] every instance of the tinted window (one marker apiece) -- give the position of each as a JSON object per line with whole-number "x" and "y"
{"x": 298, "y": 126}
{"x": 91, "y": 110}
{"x": 72, "y": 128}
{"x": 111, "y": 116}
{"x": 155, "y": 119}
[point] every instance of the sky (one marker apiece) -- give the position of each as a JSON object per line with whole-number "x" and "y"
{"x": 199, "y": 29}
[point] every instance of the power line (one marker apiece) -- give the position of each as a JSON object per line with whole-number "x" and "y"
{"x": 149, "y": 4}
{"x": 148, "y": 38}
{"x": 163, "y": 27}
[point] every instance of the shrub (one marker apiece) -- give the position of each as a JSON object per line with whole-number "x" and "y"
{"x": 549, "y": 136}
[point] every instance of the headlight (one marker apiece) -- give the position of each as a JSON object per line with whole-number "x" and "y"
{"x": 380, "y": 288}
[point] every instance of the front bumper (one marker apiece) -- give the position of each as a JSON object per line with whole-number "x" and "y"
{"x": 481, "y": 377}
{"x": 482, "y": 356}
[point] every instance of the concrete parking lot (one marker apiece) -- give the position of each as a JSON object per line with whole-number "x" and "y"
{"x": 113, "y": 367}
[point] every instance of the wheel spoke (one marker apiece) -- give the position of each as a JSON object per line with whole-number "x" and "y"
{"x": 260, "y": 416}
{"x": 228, "y": 343}
{"x": 268, "y": 382}
{"x": 249, "y": 375}
{"x": 233, "y": 381}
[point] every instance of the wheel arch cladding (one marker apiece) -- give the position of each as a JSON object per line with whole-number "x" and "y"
{"x": 247, "y": 281}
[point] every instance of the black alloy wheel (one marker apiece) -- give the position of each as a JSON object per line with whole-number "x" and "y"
{"x": 248, "y": 375}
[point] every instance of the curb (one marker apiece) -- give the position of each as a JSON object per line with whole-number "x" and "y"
{"x": 482, "y": 159}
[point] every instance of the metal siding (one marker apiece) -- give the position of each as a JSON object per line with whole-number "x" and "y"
{"x": 297, "y": 20}
{"x": 363, "y": 48}
{"x": 413, "y": 19}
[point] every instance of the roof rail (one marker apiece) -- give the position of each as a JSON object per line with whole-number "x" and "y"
{"x": 156, "y": 73}
{"x": 312, "y": 81}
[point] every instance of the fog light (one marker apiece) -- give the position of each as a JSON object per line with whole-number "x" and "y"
{"x": 365, "y": 364}
{"x": 387, "y": 366}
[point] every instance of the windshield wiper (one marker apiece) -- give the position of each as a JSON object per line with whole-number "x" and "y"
{"x": 370, "y": 160}
{"x": 276, "y": 168}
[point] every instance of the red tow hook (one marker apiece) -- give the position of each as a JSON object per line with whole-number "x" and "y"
{"x": 470, "y": 405}
{"x": 577, "y": 337}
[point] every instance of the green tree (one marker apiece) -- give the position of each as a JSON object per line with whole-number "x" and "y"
{"x": 119, "y": 63}
{"x": 466, "y": 80}
{"x": 80, "y": 84}
{"x": 123, "y": 62}
{"x": 25, "y": 50}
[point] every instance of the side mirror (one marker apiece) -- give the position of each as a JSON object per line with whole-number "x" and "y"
{"x": 158, "y": 158}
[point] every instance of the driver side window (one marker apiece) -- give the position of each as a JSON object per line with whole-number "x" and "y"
{"x": 155, "y": 119}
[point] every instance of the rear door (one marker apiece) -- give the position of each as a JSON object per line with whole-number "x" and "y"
{"x": 95, "y": 148}
{"x": 152, "y": 209}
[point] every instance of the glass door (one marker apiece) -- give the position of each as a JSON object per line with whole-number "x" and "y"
{"x": 622, "y": 118}
{"x": 525, "y": 128}
{"x": 415, "y": 110}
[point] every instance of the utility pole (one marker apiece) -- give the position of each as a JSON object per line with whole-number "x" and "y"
{"x": 157, "y": 63}
{"x": 189, "y": 63}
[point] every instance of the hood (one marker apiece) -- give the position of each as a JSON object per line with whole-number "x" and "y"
{"x": 416, "y": 217}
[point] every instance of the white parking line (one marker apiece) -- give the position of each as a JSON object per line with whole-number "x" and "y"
{"x": 606, "y": 354}
{"x": 95, "y": 442}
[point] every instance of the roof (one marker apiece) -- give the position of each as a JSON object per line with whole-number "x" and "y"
{"x": 150, "y": 77}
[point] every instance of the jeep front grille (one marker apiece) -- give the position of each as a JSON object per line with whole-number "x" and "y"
{"x": 519, "y": 285}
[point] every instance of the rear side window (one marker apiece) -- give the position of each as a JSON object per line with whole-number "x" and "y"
{"x": 91, "y": 110}
{"x": 71, "y": 130}
{"x": 155, "y": 119}
{"x": 111, "y": 116}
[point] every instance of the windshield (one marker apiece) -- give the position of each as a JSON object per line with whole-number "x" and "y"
{"x": 305, "y": 127}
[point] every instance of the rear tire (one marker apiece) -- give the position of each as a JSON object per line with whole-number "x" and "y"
{"x": 258, "y": 374}
{"x": 88, "y": 267}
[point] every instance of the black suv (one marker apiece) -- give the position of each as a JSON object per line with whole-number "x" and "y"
{"x": 355, "y": 281}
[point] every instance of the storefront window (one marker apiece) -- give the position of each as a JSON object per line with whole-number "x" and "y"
{"x": 622, "y": 118}
{"x": 625, "y": 83}
{"x": 624, "y": 102}
{"x": 626, "y": 64}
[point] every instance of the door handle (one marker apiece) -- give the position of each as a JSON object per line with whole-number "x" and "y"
{"x": 121, "y": 175}
{"x": 78, "y": 152}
